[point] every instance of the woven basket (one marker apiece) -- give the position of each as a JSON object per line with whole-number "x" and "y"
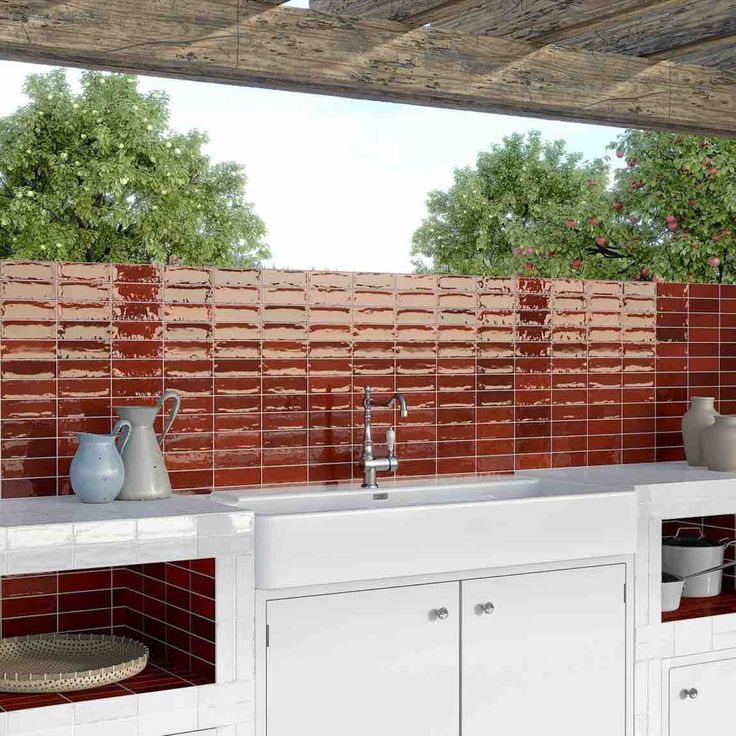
{"x": 53, "y": 663}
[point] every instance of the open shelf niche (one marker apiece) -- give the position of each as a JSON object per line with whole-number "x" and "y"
{"x": 713, "y": 528}
{"x": 169, "y": 606}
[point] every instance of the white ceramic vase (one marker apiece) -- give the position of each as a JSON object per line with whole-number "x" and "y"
{"x": 719, "y": 444}
{"x": 702, "y": 414}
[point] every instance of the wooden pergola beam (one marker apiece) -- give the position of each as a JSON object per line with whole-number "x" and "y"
{"x": 525, "y": 20}
{"x": 663, "y": 25}
{"x": 260, "y": 45}
{"x": 399, "y": 10}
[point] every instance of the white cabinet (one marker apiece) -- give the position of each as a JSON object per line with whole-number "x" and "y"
{"x": 517, "y": 655}
{"x": 701, "y": 698}
{"x": 545, "y": 653}
{"x": 369, "y": 663}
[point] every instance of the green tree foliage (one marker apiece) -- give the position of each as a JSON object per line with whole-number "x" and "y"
{"x": 667, "y": 213}
{"x": 99, "y": 176}
{"x": 677, "y": 202}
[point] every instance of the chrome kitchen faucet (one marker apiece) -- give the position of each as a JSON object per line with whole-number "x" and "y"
{"x": 371, "y": 465}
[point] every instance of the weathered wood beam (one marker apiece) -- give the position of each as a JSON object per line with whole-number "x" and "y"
{"x": 663, "y": 25}
{"x": 521, "y": 19}
{"x": 398, "y": 10}
{"x": 720, "y": 52}
{"x": 287, "y": 48}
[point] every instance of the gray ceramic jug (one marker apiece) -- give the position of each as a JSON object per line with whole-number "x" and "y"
{"x": 146, "y": 477}
{"x": 97, "y": 472}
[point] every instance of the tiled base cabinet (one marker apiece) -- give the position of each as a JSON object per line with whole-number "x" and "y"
{"x": 471, "y": 653}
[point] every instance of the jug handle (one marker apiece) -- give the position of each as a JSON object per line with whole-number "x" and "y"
{"x": 122, "y": 427}
{"x": 176, "y": 399}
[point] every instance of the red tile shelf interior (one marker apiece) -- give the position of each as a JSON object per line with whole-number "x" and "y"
{"x": 152, "y": 679}
{"x": 168, "y": 606}
{"x": 500, "y": 374}
{"x": 700, "y": 607}
{"x": 715, "y": 528}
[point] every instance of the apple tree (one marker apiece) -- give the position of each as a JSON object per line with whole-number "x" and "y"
{"x": 99, "y": 176}
{"x": 528, "y": 206}
{"x": 678, "y": 198}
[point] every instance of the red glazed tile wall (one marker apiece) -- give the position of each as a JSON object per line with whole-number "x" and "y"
{"x": 499, "y": 374}
{"x": 169, "y": 606}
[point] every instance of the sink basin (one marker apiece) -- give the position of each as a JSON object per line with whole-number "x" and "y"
{"x": 307, "y": 537}
{"x": 400, "y": 496}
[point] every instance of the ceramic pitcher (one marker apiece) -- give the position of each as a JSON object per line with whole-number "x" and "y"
{"x": 146, "y": 477}
{"x": 97, "y": 472}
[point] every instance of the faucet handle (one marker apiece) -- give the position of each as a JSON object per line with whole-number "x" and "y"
{"x": 391, "y": 442}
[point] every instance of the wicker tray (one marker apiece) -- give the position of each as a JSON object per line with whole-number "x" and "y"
{"x": 53, "y": 663}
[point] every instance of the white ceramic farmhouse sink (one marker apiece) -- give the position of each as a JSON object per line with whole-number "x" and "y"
{"x": 314, "y": 537}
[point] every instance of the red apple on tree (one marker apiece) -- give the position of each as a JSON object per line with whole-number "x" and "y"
{"x": 576, "y": 263}
{"x": 714, "y": 261}
{"x": 601, "y": 240}
{"x": 570, "y": 224}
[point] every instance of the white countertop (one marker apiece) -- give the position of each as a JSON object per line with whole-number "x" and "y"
{"x": 69, "y": 510}
{"x": 635, "y": 475}
{"x": 60, "y": 533}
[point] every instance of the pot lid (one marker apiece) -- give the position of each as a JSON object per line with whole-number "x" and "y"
{"x": 690, "y": 542}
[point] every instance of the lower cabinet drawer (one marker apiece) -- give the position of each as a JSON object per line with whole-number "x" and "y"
{"x": 701, "y": 697}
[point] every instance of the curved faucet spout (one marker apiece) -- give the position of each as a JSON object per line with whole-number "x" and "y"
{"x": 401, "y": 399}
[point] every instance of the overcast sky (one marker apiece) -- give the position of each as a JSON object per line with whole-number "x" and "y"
{"x": 341, "y": 184}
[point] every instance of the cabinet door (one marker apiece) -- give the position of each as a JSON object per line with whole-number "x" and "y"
{"x": 545, "y": 653}
{"x": 701, "y": 698}
{"x": 369, "y": 663}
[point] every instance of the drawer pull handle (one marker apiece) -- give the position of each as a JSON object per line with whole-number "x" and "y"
{"x": 487, "y": 608}
{"x": 690, "y": 694}
{"x": 441, "y": 613}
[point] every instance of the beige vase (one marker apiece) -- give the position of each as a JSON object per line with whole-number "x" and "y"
{"x": 719, "y": 444}
{"x": 702, "y": 414}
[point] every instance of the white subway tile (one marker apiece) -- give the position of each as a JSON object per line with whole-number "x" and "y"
{"x": 693, "y": 636}
{"x": 105, "y": 532}
{"x": 171, "y": 527}
{"x": 47, "y": 535}
{"x": 92, "y": 555}
{"x": 169, "y": 722}
{"x": 165, "y": 550}
{"x": 167, "y": 700}
{"x": 46, "y": 720}
{"x": 233, "y": 544}
{"x": 119, "y": 727}
{"x": 106, "y": 709}
{"x": 40, "y": 560}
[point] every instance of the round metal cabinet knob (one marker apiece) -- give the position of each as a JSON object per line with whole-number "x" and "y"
{"x": 692, "y": 693}
{"x": 441, "y": 613}
{"x": 487, "y": 608}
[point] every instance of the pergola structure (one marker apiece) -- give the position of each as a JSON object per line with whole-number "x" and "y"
{"x": 668, "y": 64}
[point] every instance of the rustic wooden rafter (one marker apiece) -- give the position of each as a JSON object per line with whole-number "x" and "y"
{"x": 719, "y": 52}
{"x": 662, "y": 26}
{"x": 254, "y": 43}
{"x": 402, "y": 11}
{"x": 632, "y": 27}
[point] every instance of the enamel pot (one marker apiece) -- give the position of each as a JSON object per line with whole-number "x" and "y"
{"x": 673, "y": 585}
{"x": 685, "y": 554}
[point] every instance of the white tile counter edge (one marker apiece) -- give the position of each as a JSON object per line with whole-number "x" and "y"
{"x": 59, "y": 533}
